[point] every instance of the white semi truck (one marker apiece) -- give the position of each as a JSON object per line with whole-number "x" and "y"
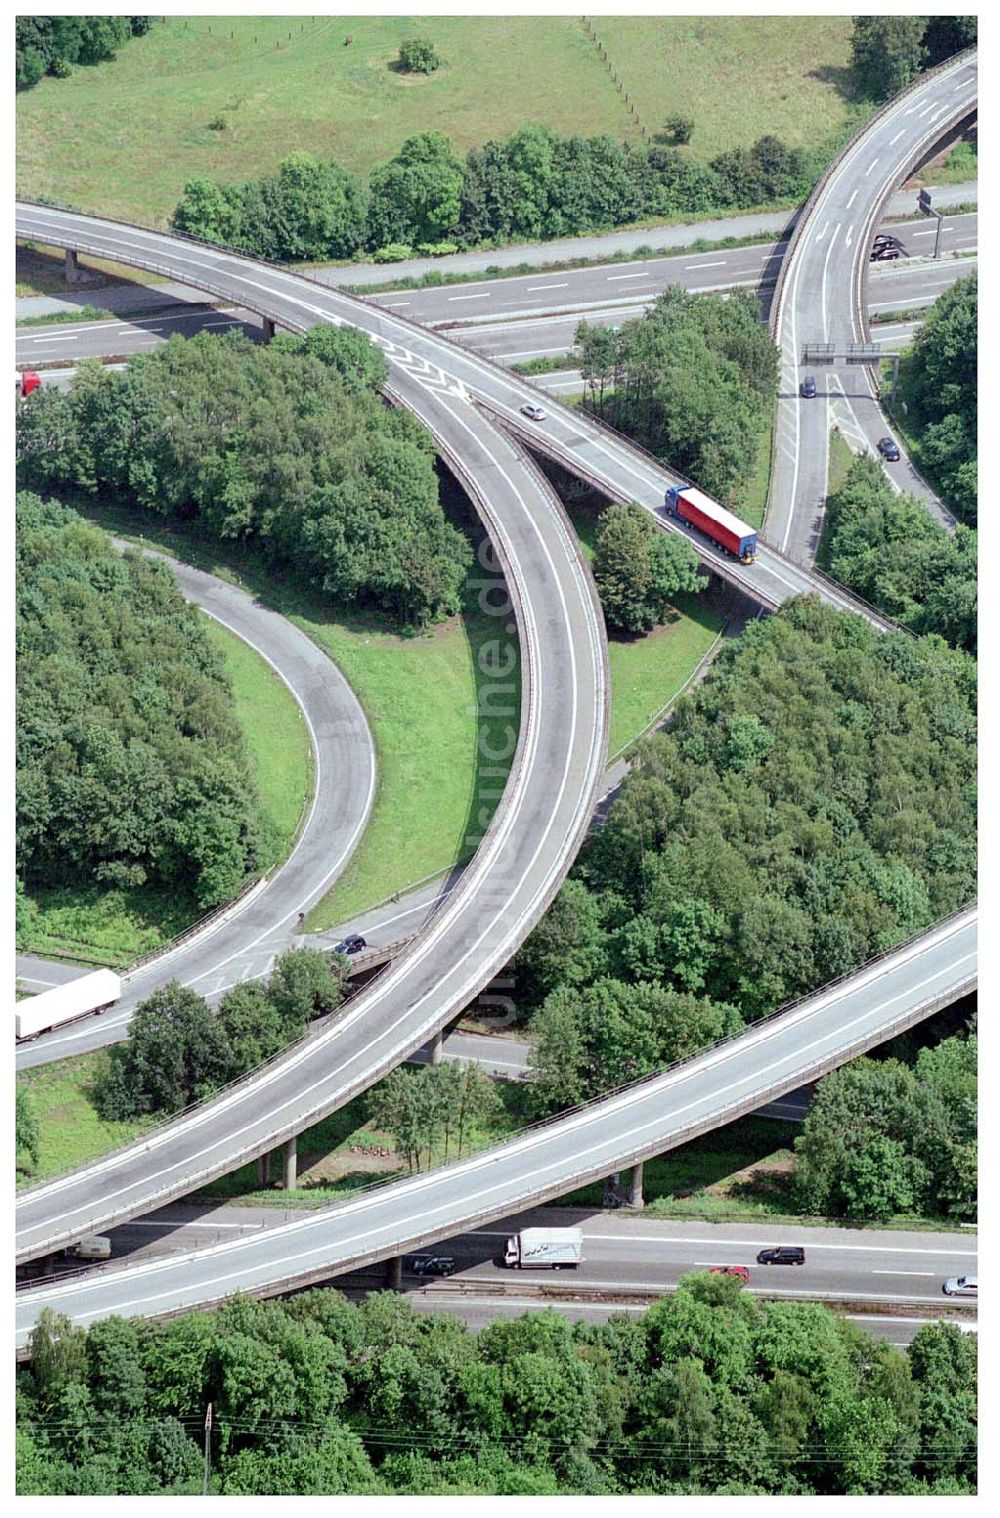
{"x": 65, "y": 1003}
{"x": 544, "y": 1249}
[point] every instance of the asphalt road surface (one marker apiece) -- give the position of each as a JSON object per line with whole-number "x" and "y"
{"x": 628, "y": 1260}
{"x": 718, "y": 1085}
{"x": 822, "y": 295}
{"x": 243, "y": 943}
{"x": 122, "y": 298}
{"x": 510, "y": 309}
{"x": 556, "y": 766}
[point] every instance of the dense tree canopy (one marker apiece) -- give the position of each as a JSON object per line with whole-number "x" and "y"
{"x": 534, "y": 184}
{"x": 287, "y": 447}
{"x": 882, "y": 1138}
{"x": 131, "y": 764}
{"x": 940, "y": 381}
{"x": 693, "y": 381}
{"x": 178, "y": 1051}
{"x": 886, "y": 53}
{"x": 890, "y": 550}
{"x": 710, "y": 1392}
{"x": 639, "y": 569}
{"x": 52, "y": 44}
{"x": 811, "y": 805}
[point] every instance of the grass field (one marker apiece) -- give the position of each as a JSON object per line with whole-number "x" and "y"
{"x": 114, "y": 927}
{"x": 123, "y": 137}
{"x": 647, "y": 673}
{"x": 71, "y": 1133}
{"x": 419, "y": 695}
{"x": 276, "y": 736}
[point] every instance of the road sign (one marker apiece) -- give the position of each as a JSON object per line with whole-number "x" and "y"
{"x": 924, "y": 201}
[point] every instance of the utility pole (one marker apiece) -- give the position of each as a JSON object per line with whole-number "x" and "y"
{"x": 208, "y": 1449}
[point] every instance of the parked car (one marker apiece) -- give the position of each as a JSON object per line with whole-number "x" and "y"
{"x": 352, "y": 944}
{"x": 533, "y": 413}
{"x": 431, "y": 1265}
{"x": 808, "y": 387}
{"x": 889, "y": 449}
{"x": 782, "y": 1254}
{"x": 741, "y": 1271}
{"x": 961, "y": 1286}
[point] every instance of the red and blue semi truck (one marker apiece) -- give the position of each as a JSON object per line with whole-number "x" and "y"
{"x": 725, "y": 530}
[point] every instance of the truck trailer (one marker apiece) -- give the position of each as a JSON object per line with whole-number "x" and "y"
{"x": 64, "y": 1004}
{"x": 27, "y": 381}
{"x": 544, "y": 1249}
{"x": 726, "y": 530}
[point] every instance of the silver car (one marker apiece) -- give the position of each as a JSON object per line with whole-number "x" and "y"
{"x": 961, "y": 1286}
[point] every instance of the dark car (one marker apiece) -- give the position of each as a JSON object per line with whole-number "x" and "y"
{"x": 352, "y": 944}
{"x": 783, "y": 1254}
{"x": 740, "y": 1271}
{"x": 885, "y": 250}
{"x": 808, "y": 387}
{"x": 431, "y": 1265}
{"x": 889, "y": 449}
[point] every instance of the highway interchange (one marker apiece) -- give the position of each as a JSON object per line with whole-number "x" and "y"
{"x": 942, "y": 962}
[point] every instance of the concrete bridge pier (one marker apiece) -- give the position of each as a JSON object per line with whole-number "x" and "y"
{"x": 268, "y": 329}
{"x": 635, "y": 1186}
{"x": 263, "y": 1170}
{"x": 434, "y": 1048}
{"x": 394, "y": 1273}
{"x": 72, "y": 272}
{"x": 290, "y": 1176}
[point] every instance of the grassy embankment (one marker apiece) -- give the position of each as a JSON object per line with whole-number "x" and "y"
{"x": 114, "y": 927}
{"x": 124, "y": 136}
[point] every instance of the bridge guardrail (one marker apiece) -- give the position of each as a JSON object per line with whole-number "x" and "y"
{"x": 728, "y": 1112}
{"x": 798, "y": 230}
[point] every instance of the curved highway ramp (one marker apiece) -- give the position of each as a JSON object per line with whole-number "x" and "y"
{"x": 821, "y": 297}
{"x": 737, "y": 1076}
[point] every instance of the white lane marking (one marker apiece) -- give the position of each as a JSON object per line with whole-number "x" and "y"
{"x": 46, "y": 338}
{"x": 522, "y": 1147}
{"x": 894, "y": 140}
{"x": 870, "y": 167}
{"x": 719, "y": 263}
{"x": 530, "y": 289}
{"x": 924, "y": 234}
{"x": 643, "y": 274}
{"x": 484, "y": 295}
{"x": 393, "y": 303}
{"x": 443, "y": 922}
{"x": 826, "y": 269}
{"x": 905, "y": 1272}
{"x": 854, "y": 196}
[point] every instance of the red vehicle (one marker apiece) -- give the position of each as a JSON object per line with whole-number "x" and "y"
{"x": 699, "y": 510}
{"x": 740, "y": 1271}
{"x": 28, "y": 381}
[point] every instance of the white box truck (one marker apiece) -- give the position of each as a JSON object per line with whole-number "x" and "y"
{"x": 93, "y": 1246}
{"x": 65, "y": 1003}
{"x": 544, "y": 1249}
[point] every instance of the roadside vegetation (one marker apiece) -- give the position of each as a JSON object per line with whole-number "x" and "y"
{"x": 709, "y": 1392}
{"x": 889, "y": 549}
{"x": 936, "y": 406}
{"x": 287, "y": 447}
{"x": 694, "y": 381}
{"x": 53, "y": 44}
{"x": 132, "y": 769}
{"x": 764, "y": 845}
{"x": 274, "y": 730}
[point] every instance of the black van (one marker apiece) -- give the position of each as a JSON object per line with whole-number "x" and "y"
{"x": 784, "y": 1254}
